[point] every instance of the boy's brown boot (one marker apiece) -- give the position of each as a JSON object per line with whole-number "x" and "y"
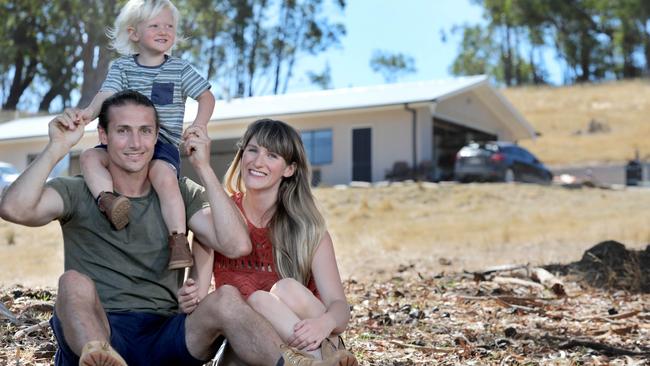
{"x": 294, "y": 357}
{"x": 116, "y": 208}
{"x": 179, "y": 252}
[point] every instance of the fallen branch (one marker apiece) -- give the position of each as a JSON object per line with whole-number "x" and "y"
{"x": 6, "y": 313}
{"x": 610, "y": 318}
{"x": 517, "y": 281}
{"x": 23, "y": 332}
{"x": 548, "y": 280}
{"x": 506, "y": 304}
{"x": 605, "y": 349}
{"x": 424, "y": 348}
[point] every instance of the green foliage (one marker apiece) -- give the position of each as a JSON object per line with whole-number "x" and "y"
{"x": 247, "y": 47}
{"x": 392, "y": 65}
{"x": 594, "y": 39}
{"x": 251, "y": 47}
{"x": 323, "y": 79}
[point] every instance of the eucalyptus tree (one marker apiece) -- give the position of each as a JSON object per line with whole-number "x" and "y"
{"x": 392, "y": 66}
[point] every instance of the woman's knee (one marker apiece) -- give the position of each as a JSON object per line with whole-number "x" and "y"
{"x": 258, "y": 299}
{"x": 287, "y": 288}
{"x": 297, "y": 297}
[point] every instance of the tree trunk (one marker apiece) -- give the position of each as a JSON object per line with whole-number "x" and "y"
{"x": 22, "y": 79}
{"x": 55, "y": 90}
{"x": 585, "y": 59}
{"x": 93, "y": 76}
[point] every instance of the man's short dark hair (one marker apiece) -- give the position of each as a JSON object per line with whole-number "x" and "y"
{"x": 122, "y": 98}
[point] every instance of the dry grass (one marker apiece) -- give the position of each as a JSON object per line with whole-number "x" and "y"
{"x": 478, "y": 225}
{"x": 473, "y": 226}
{"x": 558, "y": 112}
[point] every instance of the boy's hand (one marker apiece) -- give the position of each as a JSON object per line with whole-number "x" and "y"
{"x": 85, "y": 116}
{"x": 69, "y": 119}
{"x": 188, "y": 296}
{"x": 194, "y": 126}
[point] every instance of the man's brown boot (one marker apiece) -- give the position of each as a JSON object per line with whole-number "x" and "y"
{"x": 294, "y": 357}
{"x": 179, "y": 252}
{"x": 116, "y": 208}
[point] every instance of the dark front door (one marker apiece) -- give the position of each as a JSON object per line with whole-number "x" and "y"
{"x": 361, "y": 155}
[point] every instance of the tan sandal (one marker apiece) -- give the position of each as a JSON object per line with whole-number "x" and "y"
{"x": 100, "y": 353}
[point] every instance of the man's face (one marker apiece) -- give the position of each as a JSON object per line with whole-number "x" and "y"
{"x": 131, "y": 137}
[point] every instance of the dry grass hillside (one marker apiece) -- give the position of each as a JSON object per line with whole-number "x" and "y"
{"x": 436, "y": 226}
{"x": 563, "y": 115}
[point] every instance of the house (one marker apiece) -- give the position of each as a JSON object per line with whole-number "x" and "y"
{"x": 350, "y": 134}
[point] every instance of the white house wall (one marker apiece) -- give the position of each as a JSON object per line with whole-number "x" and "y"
{"x": 390, "y": 141}
{"x": 391, "y": 138}
{"x": 17, "y": 152}
{"x": 425, "y": 134}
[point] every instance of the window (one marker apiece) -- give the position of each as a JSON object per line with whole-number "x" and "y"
{"x": 318, "y": 145}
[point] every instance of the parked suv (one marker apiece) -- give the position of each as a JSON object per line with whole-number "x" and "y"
{"x": 499, "y": 162}
{"x": 8, "y": 174}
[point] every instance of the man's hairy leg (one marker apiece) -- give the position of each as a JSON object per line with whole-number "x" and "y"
{"x": 81, "y": 314}
{"x": 225, "y": 312}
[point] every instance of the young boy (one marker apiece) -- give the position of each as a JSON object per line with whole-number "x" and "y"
{"x": 144, "y": 33}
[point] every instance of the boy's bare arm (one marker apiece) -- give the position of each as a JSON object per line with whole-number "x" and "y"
{"x": 206, "y": 107}
{"x": 92, "y": 110}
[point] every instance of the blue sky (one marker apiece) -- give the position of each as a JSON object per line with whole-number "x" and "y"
{"x": 412, "y": 27}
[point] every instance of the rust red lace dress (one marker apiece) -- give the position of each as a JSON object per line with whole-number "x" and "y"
{"x": 255, "y": 271}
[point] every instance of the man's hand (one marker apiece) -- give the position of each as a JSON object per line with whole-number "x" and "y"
{"x": 66, "y": 129}
{"x": 188, "y": 296}
{"x": 196, "y": 145}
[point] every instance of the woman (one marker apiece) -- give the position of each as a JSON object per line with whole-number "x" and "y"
{"x": 291, "y": 276}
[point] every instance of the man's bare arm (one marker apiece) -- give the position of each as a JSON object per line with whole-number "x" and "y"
{"x": 222, "y": 227}
{"x": 27, "y": 201}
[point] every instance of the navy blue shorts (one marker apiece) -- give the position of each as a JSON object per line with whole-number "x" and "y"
{"x": 140, "y": 338}
{"x": 165, "y": 152}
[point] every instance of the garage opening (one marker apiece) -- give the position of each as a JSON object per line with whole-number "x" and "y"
{"x": 448, "y": 138}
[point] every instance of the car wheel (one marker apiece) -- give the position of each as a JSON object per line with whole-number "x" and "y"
{"x": 509, "y": 176}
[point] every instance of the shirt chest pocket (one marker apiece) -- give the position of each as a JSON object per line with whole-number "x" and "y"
{"x": 162, "y": 93}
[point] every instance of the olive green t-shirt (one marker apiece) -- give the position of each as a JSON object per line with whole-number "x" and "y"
{"x": 129, "y": 266}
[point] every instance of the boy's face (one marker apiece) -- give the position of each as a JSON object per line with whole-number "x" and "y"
{"x": 157, "y": 35}
{"x": 131, "y": 136}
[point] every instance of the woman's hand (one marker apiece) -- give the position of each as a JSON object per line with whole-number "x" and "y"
{"x": 188, "y": 296}
{"x": 309, "y": 333}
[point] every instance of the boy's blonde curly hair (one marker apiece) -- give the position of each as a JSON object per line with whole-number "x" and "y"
{"x": 133, "y": 13}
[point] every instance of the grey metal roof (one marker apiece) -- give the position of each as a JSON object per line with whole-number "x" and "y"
{"x": 296, "y": 103}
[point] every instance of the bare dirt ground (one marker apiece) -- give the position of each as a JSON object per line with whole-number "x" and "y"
{"x": 408, "y": 253}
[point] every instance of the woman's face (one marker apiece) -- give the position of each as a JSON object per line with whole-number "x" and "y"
{"x": 263, "y": 169}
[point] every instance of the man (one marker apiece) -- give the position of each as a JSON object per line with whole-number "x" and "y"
{"x": 116, "y": 301}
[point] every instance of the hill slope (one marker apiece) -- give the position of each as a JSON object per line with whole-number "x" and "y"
{"x": 563, "y": 114}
